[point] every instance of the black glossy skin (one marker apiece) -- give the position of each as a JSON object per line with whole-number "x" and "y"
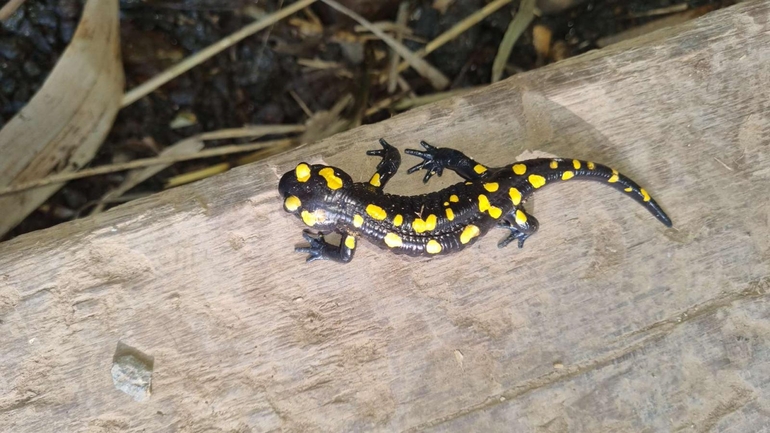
{"x": 327, "y": 200}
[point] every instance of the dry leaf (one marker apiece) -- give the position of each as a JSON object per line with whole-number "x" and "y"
{"x": 64, "y": 124}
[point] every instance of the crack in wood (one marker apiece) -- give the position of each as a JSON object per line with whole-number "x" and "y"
{"x": 656, "y": 331}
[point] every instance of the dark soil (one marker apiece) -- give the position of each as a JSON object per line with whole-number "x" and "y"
{"x": 250, "y": 82}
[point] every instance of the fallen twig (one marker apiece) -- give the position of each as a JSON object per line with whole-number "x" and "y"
{"x": 135, "y": 177}
{"x": 253, "y": 131}
{"x": 145, "y": 162}
{"x": 145, "y": 88}
{"x": 452, "y": 33}
{"x": 408, "y": 103}
{"x": 436, "y": 78}
{"x": 401, "y": 18}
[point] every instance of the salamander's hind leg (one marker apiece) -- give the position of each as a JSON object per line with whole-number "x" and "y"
{"x": 436, "y": 159}
{"x": 387, "y": 167}
{"x": 319, "y": 249}
{"x": 521, "y": 224}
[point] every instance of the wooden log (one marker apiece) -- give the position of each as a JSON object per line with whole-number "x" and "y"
{"x": 605, "y": 321}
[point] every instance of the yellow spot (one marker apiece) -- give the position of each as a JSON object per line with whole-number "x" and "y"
{"x": 536, "y": 180}
{"x": 393, "y": 240}
{"x": 567, "y": 175}
{"x": 590, "y": 165}
{"x": 453, "y": 198}
{"x": 446, "y": 203}
{"x": 614, "y": 178}
{"x": 515, "y": 196}
{"x": 292, "y": 203}
{"x": 430, "y": 222}
{"x": 376, "y": 180}
{"x": 433, "y": 247}
{"x": 376, "y": 212}
{"x": 491, "y": 187}
{"x": 576, "y": 164}
{"x": 332, "y": 181}
{"x": 469, "y": 232}
{"x": 521, "y": 217}
{"x": 479, "y": 168}
{"x": 350, "y": 242}
{"x": 519, "y": 169}
{"x": 398, "y": 220}
{"x": 554, "y": 164}
{"x": 484, "y": 206}
{"x": 358, "y": 220}
{"x": 419, "y": 225}
{"x": 629, "y": 189}
{"x": 303, "y": 172}
{"x": 308, "y": 218}
{"x": 483, "y": 203}
{"x": 645, "y": 195}
{"x": 450, "y": 215}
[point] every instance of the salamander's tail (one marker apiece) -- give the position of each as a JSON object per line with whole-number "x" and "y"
{"x": 565, "y": 169}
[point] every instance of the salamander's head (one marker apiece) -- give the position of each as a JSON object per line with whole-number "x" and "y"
{"x": 308, "y": 190}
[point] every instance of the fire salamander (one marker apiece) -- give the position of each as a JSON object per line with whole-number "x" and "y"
{"x": 327, "y": 199}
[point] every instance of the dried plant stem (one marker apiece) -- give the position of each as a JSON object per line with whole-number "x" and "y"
{"x": 453, "y": 32}
{"x": 436, "y": 78}
{"x": 146, "y": 162}
{"x": 401, "y": 18}
{"x": 517, "y": 26}
{"x": 409, "y": 103}
{"x": 252, "y": 131}
{"x": 145, "y": 88}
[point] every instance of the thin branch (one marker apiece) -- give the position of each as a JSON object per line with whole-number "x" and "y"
{"x": 252, "y": 131}
{"x": 660, "y": 11}
{"x": 453, "y": 32}
{"x": 301, "y": 103}
{"x": 408, "y": 103}
{"x": 195, "y": 175}
{"x": 383, "y": 104}
{"x": 145, "y": 162}
{"x": 203, "y": 173}
{"x": 149, "y": 86}
{"x": 436, "y": 78}
{"x": 135, "y": 177}
{"x": 319, "y": 64}
{"x": 386, "y": 26}
{"x": 401, "y": 18}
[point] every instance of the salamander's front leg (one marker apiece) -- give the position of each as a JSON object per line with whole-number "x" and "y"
{"x": 521, "y": 224}
{"x": 391, "y": 160}
{"x": 436, "y": 159}
{"x": 321, "y": 250}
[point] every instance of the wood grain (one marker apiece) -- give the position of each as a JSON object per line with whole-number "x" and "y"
{"x": 605, "y": 321}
